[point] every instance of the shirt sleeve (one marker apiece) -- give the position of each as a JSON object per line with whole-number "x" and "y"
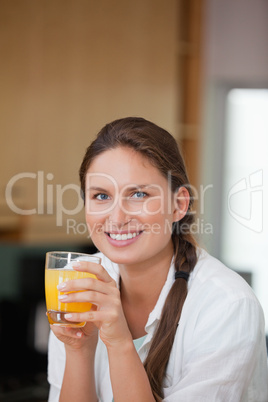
{"x": 56, "y": 366}
{"x": 224, "y": 358}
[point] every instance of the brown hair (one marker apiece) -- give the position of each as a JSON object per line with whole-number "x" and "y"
{"x": 162, "y": 151}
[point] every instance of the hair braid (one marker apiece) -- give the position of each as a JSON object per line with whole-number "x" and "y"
{"x": 158, "y": 356}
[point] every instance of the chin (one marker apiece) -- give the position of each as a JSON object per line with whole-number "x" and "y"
{"x": 123, "y": 257}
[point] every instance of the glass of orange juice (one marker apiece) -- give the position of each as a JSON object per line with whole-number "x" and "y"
{"x": 59, "y": 269}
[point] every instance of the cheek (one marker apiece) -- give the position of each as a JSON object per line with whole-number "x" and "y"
{"x": 153, "y": 206}
{"x": 96, "y": 233}
{"x": 156, "y": 211}
{"x": 95, "y": 223}
{"x": 158, "y": 234}
{"x": 157, "y": 224}
{"x": 159, "y": 205}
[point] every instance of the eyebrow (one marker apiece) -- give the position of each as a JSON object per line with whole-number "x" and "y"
{"x": 139, "y": 187}
{"x": 136, "y": 187}
{"x": 96, "y": 188}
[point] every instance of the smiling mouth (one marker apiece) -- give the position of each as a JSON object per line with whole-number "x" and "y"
{"x": 123, "y": 236}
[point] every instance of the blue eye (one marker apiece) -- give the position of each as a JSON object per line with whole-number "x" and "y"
{"x": 139, "y": 194}
{"x": 101, "y": 197}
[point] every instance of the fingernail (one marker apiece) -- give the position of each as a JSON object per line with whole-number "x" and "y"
{"x": 63, "y": 297}
{"x": 61, "y": 286}
{"x": 68, "y": 315}
{"x": 76, "y": 265}
{"x": 79, "y": 334}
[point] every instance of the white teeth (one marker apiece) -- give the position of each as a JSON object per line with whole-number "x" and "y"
{"x": 124, "y": 236}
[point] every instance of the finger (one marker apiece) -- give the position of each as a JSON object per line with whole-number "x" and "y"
{"x": 93, "y": 268}
{"x": 61, "y": 331}
{"x": 86, "y": 284}
{"x": 93, "y": 316}
{"x": 90, "y": 296}
{"x": 77, "y": 317}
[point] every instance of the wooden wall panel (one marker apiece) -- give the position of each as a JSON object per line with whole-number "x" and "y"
{"x": 67, "y": 68}
{"x": 190, "y": 59}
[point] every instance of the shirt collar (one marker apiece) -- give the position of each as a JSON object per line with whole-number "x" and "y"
{"x": 156, "y": 312}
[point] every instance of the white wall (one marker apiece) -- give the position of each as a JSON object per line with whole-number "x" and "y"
{"x": 236, "y": 40}
{"x": 236, "y": 55}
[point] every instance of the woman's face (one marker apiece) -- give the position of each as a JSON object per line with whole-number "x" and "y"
{"x": 129, "y": 207}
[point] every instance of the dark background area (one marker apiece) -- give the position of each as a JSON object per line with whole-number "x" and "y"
{"x": 23, "y": 369}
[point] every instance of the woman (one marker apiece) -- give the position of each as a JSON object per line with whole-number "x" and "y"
{"x": 171, "y": 322}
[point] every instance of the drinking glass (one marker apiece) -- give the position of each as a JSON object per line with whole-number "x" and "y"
{"x": 59, "y": 269}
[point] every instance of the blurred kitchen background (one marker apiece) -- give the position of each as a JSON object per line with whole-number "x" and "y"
{"x": 197, "y": 68}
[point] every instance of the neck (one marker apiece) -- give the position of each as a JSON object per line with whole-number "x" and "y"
{"x": 142, "y": 283}
{"x": 140, "y": 288}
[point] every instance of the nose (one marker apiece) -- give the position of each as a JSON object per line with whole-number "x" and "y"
{"x": 119, "y": 216}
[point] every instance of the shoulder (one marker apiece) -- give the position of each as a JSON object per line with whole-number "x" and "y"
{"x": 217, "y": 295}
{"x": 219, "y": 307}
{"x": 212, "y": 276}
{"x": 221, "y": 321}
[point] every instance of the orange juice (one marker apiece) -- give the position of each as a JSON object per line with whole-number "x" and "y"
{"x": 55, "y": 309}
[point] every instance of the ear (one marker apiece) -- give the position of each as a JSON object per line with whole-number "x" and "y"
{"x": 181, "y": 203}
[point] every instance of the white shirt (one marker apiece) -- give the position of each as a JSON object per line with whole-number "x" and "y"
{"x": 219, "y": 351}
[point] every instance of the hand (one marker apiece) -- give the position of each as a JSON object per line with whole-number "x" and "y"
{"x": 108, "y": 314}
{"x": 77, "y": 338}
